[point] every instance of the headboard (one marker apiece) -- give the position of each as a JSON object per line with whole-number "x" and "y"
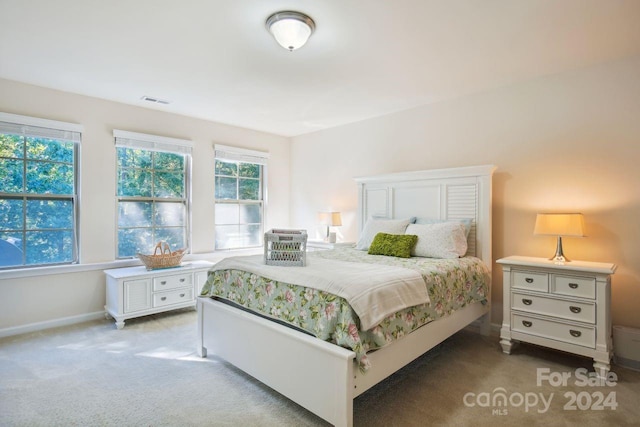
{"x": 455, "y": 193}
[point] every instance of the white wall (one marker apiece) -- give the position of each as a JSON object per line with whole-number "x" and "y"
{"x": 564, "y": 142}
{"x": 56, "y": 296}
{"x": 568, "y": 142}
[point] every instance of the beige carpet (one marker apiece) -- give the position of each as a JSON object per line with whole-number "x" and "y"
{"x": 149, "y": 375}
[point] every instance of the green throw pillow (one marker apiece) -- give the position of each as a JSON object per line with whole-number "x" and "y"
{"x": 398, "y": 245}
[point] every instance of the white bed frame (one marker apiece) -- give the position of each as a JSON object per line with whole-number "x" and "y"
{"x": 323, "y": 377}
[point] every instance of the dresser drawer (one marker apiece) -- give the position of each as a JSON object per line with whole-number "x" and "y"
{"x": 172, "y": 297}
{"x": 571, "y": 310}
{"x": 530, "y": 280}
{"x": 579, "y": 335}
{"x": 584, "y": 287}
{"x": 163, "y": 283}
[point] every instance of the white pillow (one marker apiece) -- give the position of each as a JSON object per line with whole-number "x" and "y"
{"x": 467, "y": 222}
{"x": 375, "y": 226}
{"x": 440, "y": 240}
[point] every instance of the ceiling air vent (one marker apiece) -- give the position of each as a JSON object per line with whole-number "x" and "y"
{"x": 155, "y": 100}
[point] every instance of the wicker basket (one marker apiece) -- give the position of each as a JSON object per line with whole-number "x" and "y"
{"x": 286, "y": 248}
{"x": 164, "y": 259}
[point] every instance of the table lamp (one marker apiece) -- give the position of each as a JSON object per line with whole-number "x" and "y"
{"x": 559, "y": 224}
{"x": 330, "y": 219}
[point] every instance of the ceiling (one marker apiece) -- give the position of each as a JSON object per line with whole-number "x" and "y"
{"x": 214, "y": 59}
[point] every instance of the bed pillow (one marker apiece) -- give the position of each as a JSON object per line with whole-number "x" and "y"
{"x": 439, "y": 240}
{"x": 466, "y": 222}
{"x": 375, "y": 226}
{"x": 398, "y": 245}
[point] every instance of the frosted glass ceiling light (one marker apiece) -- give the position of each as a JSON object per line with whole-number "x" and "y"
{"x": 290, "y": 29}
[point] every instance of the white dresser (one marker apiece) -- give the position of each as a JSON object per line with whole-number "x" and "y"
{"x": 565, "y": 307}
{"x": 135, "y": 291}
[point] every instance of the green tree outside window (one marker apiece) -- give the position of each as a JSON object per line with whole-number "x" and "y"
{"x": 37, "y": 201}
{"x": 152, "y": 200}
{"x": 239, "y": 204}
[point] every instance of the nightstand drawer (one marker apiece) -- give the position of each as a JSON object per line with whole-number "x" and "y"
{"x": 531, "y": 280}
{"x": 584, "y": 287}
{"x": 579, "y": 335}
{"x": 163, "y": 283}
{"x": 570, "y": 310}
{"x": 173, "y": 297}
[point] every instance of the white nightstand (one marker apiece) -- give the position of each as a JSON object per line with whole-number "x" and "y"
{"x": 565, "y": 307}
{"x": 136, "y": 291}
{"x": 321, "y": 245}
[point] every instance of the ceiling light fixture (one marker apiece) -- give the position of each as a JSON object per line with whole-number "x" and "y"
{"x": 290, "y": 29}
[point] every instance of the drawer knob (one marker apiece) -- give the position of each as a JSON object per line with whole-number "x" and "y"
{"x": 163, "y": 298}
{"x": 575, "y": 333}
{"x": 527, "y": 323}
{"x": 182, "y": 280}
{"x": 528, "y": 280}
{"x": 181, "y": 295}
{"x": 573, "y": 285}
{"x": 526, "y": 301}
{"x": 575, "y": 309}
{"x": 164, "y": 282}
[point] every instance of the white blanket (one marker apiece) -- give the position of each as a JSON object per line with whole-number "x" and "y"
{"x": 373, "y": 291}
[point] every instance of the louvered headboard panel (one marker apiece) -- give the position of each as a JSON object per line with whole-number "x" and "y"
{"x": 462, "y": 203}
{"x": 456, "y": 193}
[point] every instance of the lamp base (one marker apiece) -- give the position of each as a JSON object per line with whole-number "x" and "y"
{"x": 560, "y": 260}
{"x": 559, "y": 257}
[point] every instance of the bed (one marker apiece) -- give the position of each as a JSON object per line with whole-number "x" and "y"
{"x": 324, "y": 377}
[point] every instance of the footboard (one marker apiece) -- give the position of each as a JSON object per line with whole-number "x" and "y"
{"x": 315, "y": 374}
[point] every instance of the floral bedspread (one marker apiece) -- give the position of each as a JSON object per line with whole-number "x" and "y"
{"x": 452, "y": 284}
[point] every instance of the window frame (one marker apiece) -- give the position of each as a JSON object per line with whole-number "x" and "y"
{"x": 33, "y": 127}
{"x": 239, "y": 155}
{"x": 154, "y": 144}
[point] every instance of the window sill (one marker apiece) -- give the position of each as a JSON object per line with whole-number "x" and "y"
{"x": 21, "y": 273}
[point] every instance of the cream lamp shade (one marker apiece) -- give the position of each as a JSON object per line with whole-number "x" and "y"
{"x": 559, "y": 225}
{"x": 330, "y": 219}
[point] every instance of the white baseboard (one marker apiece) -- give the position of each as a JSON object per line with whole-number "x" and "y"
{"x": 64, "y": 321}
{"x": 48, "y": 324}
{"x": 475, "y": 327}
{"x": 627, "y": 363}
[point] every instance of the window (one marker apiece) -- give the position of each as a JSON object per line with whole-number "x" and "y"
{"x": 38, "y": 191}
{"x": 239, "y": 195}
{"x": 153, "y": 185}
